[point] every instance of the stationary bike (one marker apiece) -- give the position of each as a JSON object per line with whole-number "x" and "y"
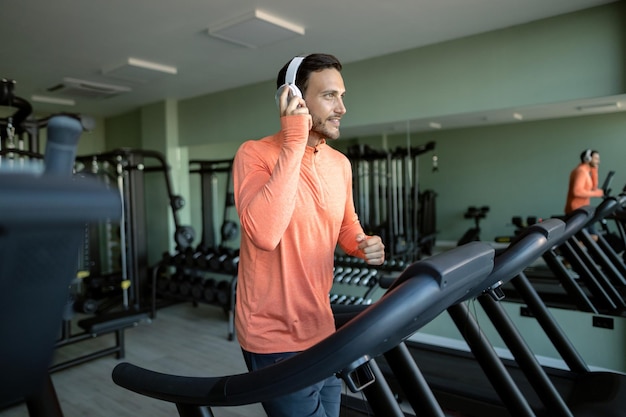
{"x": 473, "y": 233}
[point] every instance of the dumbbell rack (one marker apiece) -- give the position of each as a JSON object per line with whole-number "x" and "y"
{"x": 355, "y": 282}
{"x": 200, "y": 276}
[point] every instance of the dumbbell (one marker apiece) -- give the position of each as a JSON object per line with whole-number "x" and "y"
{"x": 345, "y": 277}
{"x": 346, "y": 271}
{"x": 192, "y": 256}
{"x": 167, "y": 259}
{"x": 341, "y": 299}
{"x": 359, "y": 262}
{"x": 180, "y": 258}
{"x": 358, "y": 301}
{"x": 208, "y": 292}
{"x": 216, "y": 262}
{"x": 223, "y": 292}
{"x": 203, "y": 261}
{"x": 350, "y": 300}
{"x": 186, "y": 284}
{"x": 339, "y": 259}
{"x": 356, "y": 278}
{"x": 336, "y": 271}
{"x": 175, "y": 281}
{"x": 333, "y": 298}
{"x": 197, "y": 289}
{"x": 231, "y": 262}
{"x": 367, "y": 278}
{"x": 86, "y": 305}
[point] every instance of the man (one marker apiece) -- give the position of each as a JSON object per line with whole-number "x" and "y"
{"x": 293, "y": 194}
{"x": 583, "y": 181}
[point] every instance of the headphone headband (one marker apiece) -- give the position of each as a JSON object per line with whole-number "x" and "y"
{"x": 290, "y": 78}
{"x": 292, "y": 70}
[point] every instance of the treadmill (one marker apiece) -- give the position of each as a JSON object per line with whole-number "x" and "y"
{"x": 365, "y": 333}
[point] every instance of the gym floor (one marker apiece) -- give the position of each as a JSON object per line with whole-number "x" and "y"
{"x": 181, "y": 340}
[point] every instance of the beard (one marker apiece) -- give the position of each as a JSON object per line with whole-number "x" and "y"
{"x": 320, "y": 128}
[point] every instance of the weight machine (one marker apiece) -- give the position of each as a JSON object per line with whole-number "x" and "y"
{"x": 119, "y": 254}
{"x": 116, "y": 287}
{"x": 208, "y": 273}
{"x": 19, "y": 132}
{"x": 389, "y": 201}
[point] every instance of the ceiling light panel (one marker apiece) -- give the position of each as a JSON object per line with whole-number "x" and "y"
{"x": 255, "y": 29}
{"x": 139, "y": 70}
{"x": 72, "y": 87}
{"x": 53, "y": 100}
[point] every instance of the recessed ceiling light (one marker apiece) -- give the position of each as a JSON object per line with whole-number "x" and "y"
{"x": 53, "y": 100}
{"x": 518, "y": 116}
{"x": 435, "y": 125}
{"x": 138, "y": 70}
{"x": 254, "y": 29}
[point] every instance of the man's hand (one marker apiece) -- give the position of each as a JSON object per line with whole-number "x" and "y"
{"x": 373, "y": 249}
{"x": 289, "y": 105}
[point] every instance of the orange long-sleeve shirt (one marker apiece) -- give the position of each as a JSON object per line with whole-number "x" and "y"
{"x": 295, "y": 204}
{"x": 583, "y": 184}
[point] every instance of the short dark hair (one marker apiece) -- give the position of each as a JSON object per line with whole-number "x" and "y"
{"x": 311, "y": 63}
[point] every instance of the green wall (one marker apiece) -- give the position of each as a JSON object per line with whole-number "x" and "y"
{"x": 562, "y": 58}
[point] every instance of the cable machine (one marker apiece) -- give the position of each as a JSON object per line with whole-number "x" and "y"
{"x": 389, "y": 201}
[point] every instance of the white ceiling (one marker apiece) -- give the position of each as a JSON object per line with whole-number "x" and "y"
{"x": 44, "y": 42}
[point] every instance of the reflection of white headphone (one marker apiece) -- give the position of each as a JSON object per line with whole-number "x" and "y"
{"x": 290, "y": 78}
{"x": 587, "y": 156}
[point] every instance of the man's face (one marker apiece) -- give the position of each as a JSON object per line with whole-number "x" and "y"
{"x": 595, "y": 160}
{"x": 324, "y": 99}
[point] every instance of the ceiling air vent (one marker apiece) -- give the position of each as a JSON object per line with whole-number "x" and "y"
{"x": 72, "y": 87}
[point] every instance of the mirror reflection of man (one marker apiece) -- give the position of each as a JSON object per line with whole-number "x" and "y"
{"x": 583, "y": 184}
{"x": 583, "y": 181}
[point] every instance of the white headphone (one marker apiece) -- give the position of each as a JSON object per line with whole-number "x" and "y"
{"x": 290, "y": 78}
{"x": 587, "y": 157}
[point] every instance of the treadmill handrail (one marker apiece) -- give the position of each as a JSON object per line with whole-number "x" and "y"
{"x": 607, "y": 207}
{"x": 81, "y": 200}
{"x": 575, "y": 221}
{"x": 529, "y": 246}
{"x": 396, "y": 316}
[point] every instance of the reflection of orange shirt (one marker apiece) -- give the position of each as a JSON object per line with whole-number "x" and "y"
{"x": 583, "y": 184}
{"x": 295, "y": 204}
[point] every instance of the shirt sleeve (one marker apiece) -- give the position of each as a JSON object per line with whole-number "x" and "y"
{"x": 265, "y": 192}
{"x": 351, "y": 226}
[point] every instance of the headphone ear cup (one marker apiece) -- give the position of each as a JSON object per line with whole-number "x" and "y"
{"x": 587, "y": 157}
{"x": 295, "y": 91}
{"x": 277, "y": 95}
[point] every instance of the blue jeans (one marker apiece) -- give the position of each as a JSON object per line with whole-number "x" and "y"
{"x": 319, "y": 400}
